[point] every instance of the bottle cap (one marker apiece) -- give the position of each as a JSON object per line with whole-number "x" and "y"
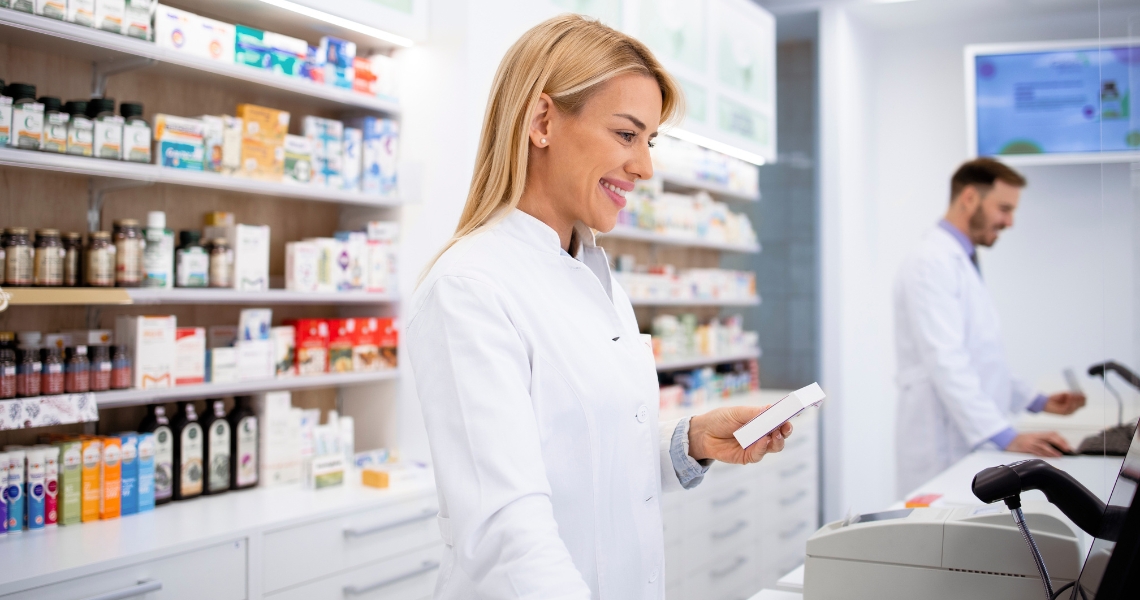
{"x": 131, "y": 109}
{"x": 75, "y": 107}
{"x": 17, "y": 231}
{"x": 100, "y": 235}
{"x": 189, "y": 237}
{"x": 156, "y": 219}
{"x": 50, "y": 103}
{"x": 19, "y": 91}
{"x": 95, "y": 106}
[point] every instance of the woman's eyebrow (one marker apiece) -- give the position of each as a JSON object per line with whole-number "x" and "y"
{"x": 636, "y": 122}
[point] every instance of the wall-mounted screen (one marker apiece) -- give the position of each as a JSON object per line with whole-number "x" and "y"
{"x": 1073, "y": 99}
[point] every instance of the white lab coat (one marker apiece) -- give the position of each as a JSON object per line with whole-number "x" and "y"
{"x": 955, "y": 387}
{"x": 541, "y": 401}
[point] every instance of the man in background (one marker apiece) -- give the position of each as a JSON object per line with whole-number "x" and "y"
{"x": 956, "y": 392}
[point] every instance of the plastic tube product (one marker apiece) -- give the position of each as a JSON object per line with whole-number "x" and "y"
{"x": 4, "y": 493}
{"x": 51, "y": 485}
{"x": 111, "y": 478}
{"x": 36, "y": 491}
{"x": 15, "y": 494}
{"x": 129, "y": 497}
{"x": 146, "y": 451}
{"x": 92, "y": 457}
{"x": 70, "y": 482}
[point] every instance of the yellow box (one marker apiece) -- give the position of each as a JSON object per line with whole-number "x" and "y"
{"x": 92, "y": 459}
{"x": 262, "y": 160}
{"x": 111, "y": 478}
{"x": 264, "y": 124}
{"x": 374, "y": 478}
{"x": 263, "y": 141}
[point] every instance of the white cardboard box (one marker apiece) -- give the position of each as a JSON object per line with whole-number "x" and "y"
{"x": 301, "y": 263}
{"x": 279, "y": 444}
{"x": 189, "y": 355}
{"x": 151, "y": 343}
{"x": 251, "y": 257}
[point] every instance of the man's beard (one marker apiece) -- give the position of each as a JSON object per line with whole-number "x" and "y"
{"x": 979, "y": 227}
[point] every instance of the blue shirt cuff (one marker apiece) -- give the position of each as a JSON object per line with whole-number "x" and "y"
{"x": 1038, "y": 404}
{"x": 1004, "y": 438}
{"x": 690, "y": 471}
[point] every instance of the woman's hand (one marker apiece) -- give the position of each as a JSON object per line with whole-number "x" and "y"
{"x": 710, "y": 436}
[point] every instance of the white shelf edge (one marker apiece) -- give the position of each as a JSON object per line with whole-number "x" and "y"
{"x": 624, "y": 232}
{"x": 143, "y": 49}
{"x": 145, "y": 296}
{"x": 673, "y": 364}
{"x": 1073, "y": 158}
{"x": 133, "y": 397}
{"x": 694, "y": 302}
{"x": 150, "y": 173}
{"x": 711, "y": 188}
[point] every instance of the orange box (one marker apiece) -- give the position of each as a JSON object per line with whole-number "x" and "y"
{"x": 263, "y": 141}
{"x": 111, "y": 478}
{"x": 92, "y": 450}
{"x": 374, "y": 478}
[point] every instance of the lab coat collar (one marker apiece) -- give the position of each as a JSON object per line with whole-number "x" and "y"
{"x": 543, "y": 238}
{"x": 963, "y": 241}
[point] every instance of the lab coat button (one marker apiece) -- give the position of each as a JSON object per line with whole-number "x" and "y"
{"x": 642, "y": 413}
{"x": 653, "y": 575}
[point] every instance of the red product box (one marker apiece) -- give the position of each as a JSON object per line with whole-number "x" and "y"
{"x": 388, "y": 340}
{"x": 312, "y": 345}
{"x": 364, "y": 80}
{"x": 366, "y": 348}
{"x": 342, "y": 338}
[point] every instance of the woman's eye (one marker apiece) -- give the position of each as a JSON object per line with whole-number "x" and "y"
{"x": 627, "y": 136}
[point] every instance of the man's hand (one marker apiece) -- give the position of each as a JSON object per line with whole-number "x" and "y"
{"x": 710, "y": 436}
{"x": 1040, "y": 443}
{"x": 1064, "y": 403}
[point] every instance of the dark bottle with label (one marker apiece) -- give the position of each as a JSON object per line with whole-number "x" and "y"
{"x": 243, "y": 444}
{"x": 189, "y": 444}
{"x": 217, "y": 453}
{"x": 156, "y": 422}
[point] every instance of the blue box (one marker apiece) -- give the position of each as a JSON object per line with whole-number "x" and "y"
{"x": 145, "y": 462}
{"x": 129, "y": 493}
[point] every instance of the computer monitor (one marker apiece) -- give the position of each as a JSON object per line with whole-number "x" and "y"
{"x": 1112, "y": 567}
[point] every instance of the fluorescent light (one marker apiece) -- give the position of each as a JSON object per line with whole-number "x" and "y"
{"x": 379, "y": 34}
{"x": 712, "y": 144}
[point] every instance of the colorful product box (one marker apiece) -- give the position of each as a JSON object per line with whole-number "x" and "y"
{"x": 81, "y": 12}
{"x": 129, "y": 491}
{"x": 284, "y": 341}
{"x": 189, "y": 355}
{"x": 328, "y": 270}
{"x": 337, "y": 56}
{"x": 312, "y": 345}
{"x": 342, "y": 338}
{"x": 138, "y": 18}
{"x": 53, "y": 9}
{"x": 351, "y": 269}
{"x": 180, "y": 142}
{"x": 145, "y": 454}
{"x": 187, "y": 32}
{"x": 268, "y": 50}
{"x": 298, "y": 159}
{"x": 389, "y": 341}
{"x": 70, "y": 481}
{"x": 327, "y": 138}
{"x": 5, "y": 120}
{"x": 301, "y": 262}
{"x": 111, "y": 478}
{"x": 109, "y": 15}
{"x": 366, "y": 348}
{"x": 92, "y": 449}
{"x": 378, "y": 155}
{"x": 363, "y": 79}
{"x": 151, "y": 340}
{"x": 313, "y": 70}
{"x": 51, "y": 485}
{"x": 263, "y": 141}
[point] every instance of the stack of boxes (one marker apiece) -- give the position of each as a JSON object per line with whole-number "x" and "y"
{"x": 349, "y": 261}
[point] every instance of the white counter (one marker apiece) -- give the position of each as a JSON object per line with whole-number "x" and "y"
{"x": 1096, "y": 473}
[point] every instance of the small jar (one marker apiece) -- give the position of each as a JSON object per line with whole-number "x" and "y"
{"x": 136, "y": 133}
{"x": 192, "y": 262}
{"x": 48, "y": 259}
{"x": 120, "y": 368}
{"x": 99, "y": 266}
{"x": 77, "y": 378}
{"x": 108, "y": 128}
{"x": 28, "y": 372}
{"x": 55, "y": 125}
{"x": 100, "y": 367}
{"x": 7, "y": 373}
{"x": 129, "y": 246}
{"x": 80, "y": 129}
{"x": 18, "y": 257}
{"x": 221, "y": 264}
{"x": 27, "y": 124}
{"x": 52, "y": 380}
{"x": 72, "y": 251}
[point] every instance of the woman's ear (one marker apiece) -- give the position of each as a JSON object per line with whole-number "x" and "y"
{"x": 540, "y": 121}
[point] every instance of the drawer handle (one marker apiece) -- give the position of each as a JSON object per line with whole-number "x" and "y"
{"x": 796, "y": 497}
{"x": 793, "y": 531}
{"x": 800, "y": 468}
{"x": 145, "y": 586}
{"x": 729, "y": 499}
{"x": 354, "y": 532}
{"x": 736, "y": 564}
{"x": 720, "y": 535}
{"x": 427, "y": 567}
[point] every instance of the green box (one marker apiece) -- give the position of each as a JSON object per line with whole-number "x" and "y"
{"x": 70, "y": 482}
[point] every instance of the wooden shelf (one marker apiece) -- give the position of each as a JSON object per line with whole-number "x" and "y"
{"x": 148, "y": 173}
{"x": 624, "y": 232}
{"x": 722, "y": 192}
{"x": 134, "y": 397}
{"x": 694, "y": 302}
{"x": 76, "y": 41}
{"x": 676, "y": 364}
{"x": 151, "y": 296}
{"x": 67, "y": 296}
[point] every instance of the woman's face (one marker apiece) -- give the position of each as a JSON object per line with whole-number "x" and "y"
{"x": 589, "y": 161}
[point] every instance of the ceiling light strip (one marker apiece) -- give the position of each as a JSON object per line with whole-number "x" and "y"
{"x": 313, "y": 13}
{"x": 714, "y": 145}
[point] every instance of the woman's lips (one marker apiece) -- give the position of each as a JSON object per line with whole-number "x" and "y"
{"x": 615, "y": 190}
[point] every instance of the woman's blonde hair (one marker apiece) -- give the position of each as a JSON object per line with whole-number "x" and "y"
{"x": 568, "y": 58}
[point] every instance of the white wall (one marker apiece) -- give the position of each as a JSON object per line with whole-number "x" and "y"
{"x": 893, "y": 129}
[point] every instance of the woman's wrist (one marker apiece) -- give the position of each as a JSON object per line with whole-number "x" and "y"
{"x": 696, "y": 437}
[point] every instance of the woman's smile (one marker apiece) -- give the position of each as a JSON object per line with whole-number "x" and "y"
{"x": 615, "y": 190}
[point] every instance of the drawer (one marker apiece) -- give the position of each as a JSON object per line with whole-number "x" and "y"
{"x": 410, "y": 576}
{"x": 216, "y": 572}
{"x": 726, "y": 578}
{"x": 721, "y": 543}
{"x": 307, "y": 552}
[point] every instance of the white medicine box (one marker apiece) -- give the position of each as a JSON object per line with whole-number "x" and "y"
{"x": 151, "y": 342}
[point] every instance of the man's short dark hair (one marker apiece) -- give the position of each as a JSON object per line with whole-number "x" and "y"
{"x": 982, "y": 173}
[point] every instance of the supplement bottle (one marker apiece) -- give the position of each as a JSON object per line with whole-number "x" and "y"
{"x": 8, "y": 374}
{"x": 136, "y": 133}
{"x": 77, "y": 375}
{"x": 27, "y": 117}
{"x": 72, "y": 252}
{"x": 99, "y": 266}
{"x": 189, "y": 444}
{"x": 108, "y": 128}
{"x": 28, "y": 372}
{"x": 100, "y": 368}
{"x": 158, "y": 256}
{"x": 80, "y": 129}
{"x": 155, "y": 422}
{"x": 192, "y": 263}
{"x": 243, "y": 444}
{"x": 221, "y": 264}
{"x": 120, "y": 368}
{"x": 217, "y": 452}
{"x": 55, "y": 125}
{"x": 48, "y": 270}
{"x": 51, "y": 383}
{"x": 129, "y": 246}
{"x": 18, "y": 257}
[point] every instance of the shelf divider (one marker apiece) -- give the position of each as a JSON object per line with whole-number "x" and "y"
{"x": 134, "y": 397}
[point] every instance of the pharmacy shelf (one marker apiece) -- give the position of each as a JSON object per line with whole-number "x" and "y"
{"x": 676, "y": 364}
{"x": 716, "y": 189}
{"x": 694, "y": 302}
{"x": 111, "y": 50}
{"x": 53, "y": 296}
{"x": 148, "y": 173}
{"x": 134, "y": 397}
{"x": 150, "y": 296}
{"x": 624, "y": 232}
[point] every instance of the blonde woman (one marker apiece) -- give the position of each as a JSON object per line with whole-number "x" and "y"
{"x": 539, "y": 394}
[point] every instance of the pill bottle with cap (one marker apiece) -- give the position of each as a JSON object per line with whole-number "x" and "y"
{"x": 18, "y": 257}
{"x": 72, "y": 258}
{"x": 99, "y": 266}
{"x": 27, "y": 117}
{"x": 129, "y": 245}
{"x": 80, "y": 129}
{"x": 5, "y": 114}
{"x": 108, "y": 128}
{"x": 192, "y": 262}
{"x": 55, "y": 125}
{"x": 48, "y": 270}
{"x": 158, "y": 257}
{"x": 136, "y": 133}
